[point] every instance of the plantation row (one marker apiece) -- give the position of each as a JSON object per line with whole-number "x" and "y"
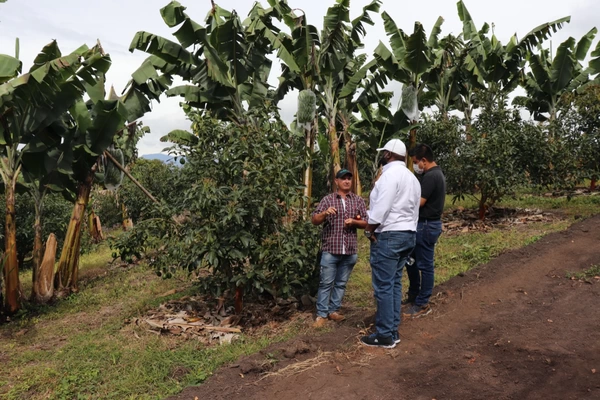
{"x": 233, "y": 215}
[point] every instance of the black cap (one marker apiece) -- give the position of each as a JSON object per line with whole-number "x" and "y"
{"x": 341, "y": 173}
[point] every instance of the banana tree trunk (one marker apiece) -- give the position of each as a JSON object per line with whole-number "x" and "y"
{"x": 43, "y": 289}
{"x": 66, "y": 276}
{"x": 309, "y": 136}
{"x": 334, "y": 147}
{"x": 352, "y": 162}
{"x": 94, "y": 227}
{"x": 11, "y": 263}
{"x": 593, "y": 183}
{"x": 38, "y": 250}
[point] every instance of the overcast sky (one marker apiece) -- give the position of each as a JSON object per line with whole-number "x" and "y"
{"x": 75, "y": 22}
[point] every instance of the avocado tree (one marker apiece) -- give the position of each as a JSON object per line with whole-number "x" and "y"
{"x": 488, "y": 167}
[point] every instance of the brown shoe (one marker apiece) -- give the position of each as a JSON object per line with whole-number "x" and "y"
{"x": 320, "y": 322}
{"x": 336, "y": 316}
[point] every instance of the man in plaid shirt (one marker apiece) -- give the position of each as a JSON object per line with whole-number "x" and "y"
{"x": 342, "y": 212}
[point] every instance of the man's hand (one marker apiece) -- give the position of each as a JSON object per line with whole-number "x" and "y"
{"x": 330, "y": 211}
{"x": 318, "y": 219}
{"x": 349, "y": 222}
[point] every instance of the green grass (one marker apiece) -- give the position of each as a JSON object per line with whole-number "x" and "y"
{"x": 578, "y": 206}
{"x": 82, "y": 346}
{"x": 587, "y": 275}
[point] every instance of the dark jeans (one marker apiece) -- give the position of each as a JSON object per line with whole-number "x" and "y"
{"x": 421, "y": 273}
{"x": 388, "y": 256}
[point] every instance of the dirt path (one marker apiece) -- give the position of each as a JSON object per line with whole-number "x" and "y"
{"x": 515, "y": 328}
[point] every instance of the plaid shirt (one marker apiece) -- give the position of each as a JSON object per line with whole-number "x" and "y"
{"x": 337, "y": 239}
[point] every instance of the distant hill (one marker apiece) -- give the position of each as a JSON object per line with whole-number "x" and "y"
{"x": 167, "y": 159}
{"x": 159, "y": 156}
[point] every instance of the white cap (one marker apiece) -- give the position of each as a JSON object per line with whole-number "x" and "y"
{"x": 395, "y": 146}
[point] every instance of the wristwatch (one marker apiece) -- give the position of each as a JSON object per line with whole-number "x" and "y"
{"x": 368, "y": 234}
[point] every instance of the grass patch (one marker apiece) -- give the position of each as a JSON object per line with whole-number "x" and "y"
{"x": 81, "y": 347}
{"x": 459, "y": 253}
{"x": 576, "y": 207}
{"x": 587, "y": 275}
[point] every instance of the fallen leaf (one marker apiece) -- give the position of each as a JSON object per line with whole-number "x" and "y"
{"x": 338, "y": 369}
{"x": 550, "y": 321}
{"x": 242, "y": 375}
{"x": 593, "y": 370}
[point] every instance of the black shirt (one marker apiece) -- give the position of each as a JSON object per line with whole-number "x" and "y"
{"x": 433, "y": 188}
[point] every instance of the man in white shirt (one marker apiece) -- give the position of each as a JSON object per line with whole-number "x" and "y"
{"x": 393, "y": 215}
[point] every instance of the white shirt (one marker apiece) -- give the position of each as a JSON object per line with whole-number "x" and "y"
{"x": 395, "y": 199}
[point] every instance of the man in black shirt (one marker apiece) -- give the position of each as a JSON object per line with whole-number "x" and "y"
{"x": 429, "y": 228}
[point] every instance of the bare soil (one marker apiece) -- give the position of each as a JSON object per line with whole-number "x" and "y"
{"x": 515, "y": 328}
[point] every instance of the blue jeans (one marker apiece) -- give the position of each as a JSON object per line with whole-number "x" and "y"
{"x": 388, "y": 256}
{"x": 335, "y": 271}
{"x": 421, "y": 273}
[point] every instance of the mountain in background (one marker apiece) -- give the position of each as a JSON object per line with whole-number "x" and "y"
{"x": 159, "y": 156}
{"x": 167, "y": 159}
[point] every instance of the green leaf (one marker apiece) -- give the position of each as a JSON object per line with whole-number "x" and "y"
{"x": 417, "y": 59}
{"x": 584, "y": 44}
{"x": 10, "y": 67}
{"x": 563, "y": 65}
{"x": 180, "y": 137}
{"x": 173, "y": 13}
{"x": 108, "y": 118}
{"x": 351, "y": 86}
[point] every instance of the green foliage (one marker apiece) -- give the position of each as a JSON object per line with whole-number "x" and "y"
{"x": 443, "y": 135}
{"x": 238, "y": 215}
{"x": 106, "y": 206}
{"x": 158, "y": 178}
{"x": 55, "y": 219}
{"x": 113, "y": 176}
{"x": 586, "y": 106}
{"x": 548, "y": 153}
{"x": 487, "y": 167}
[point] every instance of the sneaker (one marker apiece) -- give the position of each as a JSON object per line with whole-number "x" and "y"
{"x": 396, "y": 338}
{"x": 409, "y": 299}
{"x": 320, "y": 322}
{"x": 336, "y": 316}
{"x": 416, "y": 311}
{"x": 375, "y": 341}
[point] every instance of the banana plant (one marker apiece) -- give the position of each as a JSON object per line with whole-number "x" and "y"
{"x": 30, "y": 105}
{"x": 95, "y": 124}
{"x": 223, "y": 63}
{"x": 489, "y": 65}
{"x": 550, "y": 78}
{"x": 330, "y": 64}
{"x": 411, "y": 58}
